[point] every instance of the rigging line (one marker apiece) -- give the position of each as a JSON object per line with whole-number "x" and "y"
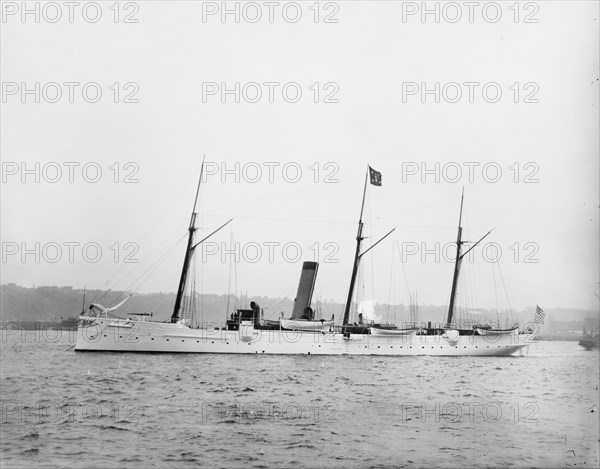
{"x": 235, "y": 280}
{"x": 189, "y": 293}
{"x": 282, "y": 296}
{"x": 467, "y": 301}
{"x": 360, "y": 290}
{"x": 196, "y": 294}
{"x": 103, "y": 293}
{"x": 152, "y": 268}
{"x": 147, "y": 232}
{"x": 341, "y": 222}
{"x": 153, "y": 252}
{"x": 495, "y": 291}
{"x": 403, "y": 270}
{"x": 273, "y": 306}
{"x": 462, "y": 294}
{"x": 174, "y": 201}
{"x": 113, "y": 284}
{"x": 476, "y": 302}
{"x": 229, "y": 282}
{"x": 199, "y": 202}
{"x": 505, "y": 292}
{"x": 391, "y": 281}
{"x": 111, "y": 280}
{"x": 372, "y": 298}
{"x": 421, "y": 208}
{"x": 301, "y": 190}
{"x": 150, "y": 273}
{"x": 130, "y": 289}
{"x": 201, "y": 290}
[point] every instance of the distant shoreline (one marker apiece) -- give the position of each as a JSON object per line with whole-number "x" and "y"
{"x": 69, "y": 324}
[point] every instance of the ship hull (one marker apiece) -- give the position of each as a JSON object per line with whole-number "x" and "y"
{"x": 94, "y": 334}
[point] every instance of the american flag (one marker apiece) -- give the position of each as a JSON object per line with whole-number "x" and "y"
{"x": 539, "y": 315}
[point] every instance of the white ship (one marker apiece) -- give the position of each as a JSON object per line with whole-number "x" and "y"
{"x": 245, "y": 332}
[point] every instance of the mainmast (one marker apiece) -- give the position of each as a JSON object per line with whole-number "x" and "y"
{"x": 188, "y": 254}
{"x": 359, "y": 239}
{"x": 456, "y": 263}
{"x": 375, "y": 177}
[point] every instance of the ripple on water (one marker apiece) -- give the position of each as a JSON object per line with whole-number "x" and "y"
{"x": 224, "y": 411}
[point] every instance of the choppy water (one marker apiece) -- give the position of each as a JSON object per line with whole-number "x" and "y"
{"x": 61, "y": 408}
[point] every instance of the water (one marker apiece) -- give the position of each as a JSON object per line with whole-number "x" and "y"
{"x": 62, "y": 408}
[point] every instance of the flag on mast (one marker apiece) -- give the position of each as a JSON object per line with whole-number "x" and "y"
{"x": 539, "y": 315}
{"x": 375, "y": 177}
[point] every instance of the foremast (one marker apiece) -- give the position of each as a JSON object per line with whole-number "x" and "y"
{"x": 189, "y": 252}
{"x": 359, "y": 239}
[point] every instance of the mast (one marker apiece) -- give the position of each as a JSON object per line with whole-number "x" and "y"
{"x": 456, "y": 263}
{"x": 359, "y": 239}
{"x": 229, "y": 283}
{"x": 459, "y": 257}
{"x": 188, "y": 254}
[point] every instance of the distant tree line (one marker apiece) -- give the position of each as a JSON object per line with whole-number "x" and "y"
{"x": 55, "y": 304}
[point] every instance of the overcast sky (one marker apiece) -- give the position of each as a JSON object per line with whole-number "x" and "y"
{"x": 528, "y": 156}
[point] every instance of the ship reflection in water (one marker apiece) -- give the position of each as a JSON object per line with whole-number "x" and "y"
{"x": 172, "y": 410}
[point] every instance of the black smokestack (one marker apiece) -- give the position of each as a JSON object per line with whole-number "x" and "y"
{"x": 306, "y": 286}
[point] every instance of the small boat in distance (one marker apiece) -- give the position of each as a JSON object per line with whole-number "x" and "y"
{"x": 589, "y": 340}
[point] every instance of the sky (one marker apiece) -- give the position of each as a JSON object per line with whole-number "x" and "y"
{"x": 108, "y": 111}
